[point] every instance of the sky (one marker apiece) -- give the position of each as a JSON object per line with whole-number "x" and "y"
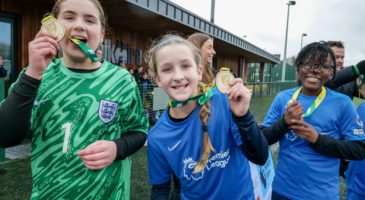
{"x": 263, "y": 23}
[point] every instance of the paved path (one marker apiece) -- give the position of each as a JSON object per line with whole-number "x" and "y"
{"x": 20, "y": 151}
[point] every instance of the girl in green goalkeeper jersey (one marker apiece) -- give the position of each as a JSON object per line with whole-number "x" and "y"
{"x": 86, "y": 117}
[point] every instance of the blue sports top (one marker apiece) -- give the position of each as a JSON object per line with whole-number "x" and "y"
{"x": 355, "y": 174}
{"x": 303, "y": 173}
{"x": 176, "y": 147}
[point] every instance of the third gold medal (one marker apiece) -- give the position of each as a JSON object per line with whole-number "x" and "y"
{"x": 222, "y": 80}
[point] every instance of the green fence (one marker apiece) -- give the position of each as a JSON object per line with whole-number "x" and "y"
{"x": 260, "y": 89}
{"x": 2, "y": 95}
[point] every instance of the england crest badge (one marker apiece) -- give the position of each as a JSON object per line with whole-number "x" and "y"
{"x": 107, "y": 110}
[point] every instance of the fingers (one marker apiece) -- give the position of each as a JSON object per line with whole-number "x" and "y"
{"x": 99, "y": 154}
{"x": 238, "y": 90}
{"x": 43, "y": 41}
{"x": 304, "y": 130}
{"x": 91, "y": 149}
{"x": 293, "y": 111}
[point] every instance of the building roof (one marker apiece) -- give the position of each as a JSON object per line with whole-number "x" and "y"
{"x": 156, "y": 16}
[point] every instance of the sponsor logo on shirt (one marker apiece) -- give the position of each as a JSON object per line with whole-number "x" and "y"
{"x": 358, "y": 132}
{"x": 291, "y": 136}
{"x": 107, "y": 110}
{"x": 218, "y": 160}
{"x": 174, "y": 146}
{"x": 359, "y": 122}
{"x": 39, "y": 102}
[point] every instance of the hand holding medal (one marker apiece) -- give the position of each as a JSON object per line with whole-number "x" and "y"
{"x": 51, "y": 25}
{"x": 239, "y": 96}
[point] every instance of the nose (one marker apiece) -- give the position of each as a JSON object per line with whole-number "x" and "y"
{"x": 79, "y": 24}
{"x": 178, "y": 75}
{"x": 213, "y": 51}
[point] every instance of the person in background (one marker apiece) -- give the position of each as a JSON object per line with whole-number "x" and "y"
{"x": 85, "y": 117}
{"x": 338, "y": 49}
{"x": 131, "y": 72}
{"x": 138, "y": 74}
{"x": 99, "y": 54}
{"x": 206, "y": 46}
{"x": 3, "y": 71}
{"x": 355, "y": 175}
{"x": 350, "y": 89}
{"x": 329, "y": 129}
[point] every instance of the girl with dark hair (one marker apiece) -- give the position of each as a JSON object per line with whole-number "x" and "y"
{"x": 329, "y": 129}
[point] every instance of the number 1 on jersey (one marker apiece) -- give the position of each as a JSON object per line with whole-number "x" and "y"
{"x": 66, "y": 140}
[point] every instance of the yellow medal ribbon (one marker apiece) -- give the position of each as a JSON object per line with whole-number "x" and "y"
{"x": 314, "y": 105}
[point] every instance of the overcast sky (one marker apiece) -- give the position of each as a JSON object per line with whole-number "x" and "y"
{"x": 263, "y": 22}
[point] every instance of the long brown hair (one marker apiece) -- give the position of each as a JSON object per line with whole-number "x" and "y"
{"x": 198, "y": 39}
{"x": 205, "y": 109}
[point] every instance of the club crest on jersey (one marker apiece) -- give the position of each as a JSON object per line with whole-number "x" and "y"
{"x": 107, "y": 110}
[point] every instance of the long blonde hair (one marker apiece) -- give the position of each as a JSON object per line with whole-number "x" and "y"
{"x": 170, "y": 39}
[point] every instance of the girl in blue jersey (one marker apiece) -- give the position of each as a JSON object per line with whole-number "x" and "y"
{"x": 328, "y": 129}
{"x": 85, "y": 116}
{"x": 355, "y": 174}
{"x": 204, "y": 138}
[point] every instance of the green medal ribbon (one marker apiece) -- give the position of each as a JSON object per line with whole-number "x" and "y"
{"x": 314, "y": 105}
{"x": 86, "y": 49}
{"x": 201, "y": 99}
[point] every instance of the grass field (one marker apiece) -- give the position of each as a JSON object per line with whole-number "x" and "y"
{"x": 17, "y": 182}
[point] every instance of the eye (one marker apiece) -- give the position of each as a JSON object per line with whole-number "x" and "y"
{"x": 185, "y": 66}
{"x": 90, "y": 20}
{"x": 68, "y": 17}
{"x": 166, "y": 69}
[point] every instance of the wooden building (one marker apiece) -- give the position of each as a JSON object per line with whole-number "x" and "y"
{"x": 133, "y": 25}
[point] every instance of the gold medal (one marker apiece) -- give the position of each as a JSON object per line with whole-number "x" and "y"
{"x": 53, "y": 26}
{"x": 223, "y": 79}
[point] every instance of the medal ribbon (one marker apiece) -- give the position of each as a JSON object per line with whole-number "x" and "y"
{"x": 314, "y": 105}
{"x": 201, "y": 99}
{"x": 86, "y": 49}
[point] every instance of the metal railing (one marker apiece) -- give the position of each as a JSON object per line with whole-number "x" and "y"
{"x": 155, "y": 100}
{"x": 260, "y": 89}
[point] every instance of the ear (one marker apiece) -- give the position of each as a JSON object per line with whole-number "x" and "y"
{"x": 157, "y": 80}
{"x": 101, "y": 39}
{"x": 200, "y": 72}
{"x": 331, "y": 75}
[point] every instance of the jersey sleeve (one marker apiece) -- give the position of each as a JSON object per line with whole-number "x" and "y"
{"x": 351, "y": 126}
{"x": 276, "y": 111}
{"x": 159, "y": 171}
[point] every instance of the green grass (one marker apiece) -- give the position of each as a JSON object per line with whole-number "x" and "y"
{"x": 17, "y": 182}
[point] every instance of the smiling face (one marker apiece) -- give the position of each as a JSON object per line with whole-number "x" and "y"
{"x": 314, "y": 75}
{"x": 177, "y": 72}
{"x": 340, "y": 55}
{"x": 208, "y": 52}
{"x": 81, "y": 19}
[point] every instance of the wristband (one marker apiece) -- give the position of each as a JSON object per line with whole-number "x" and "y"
{"x": 356, "y": 70}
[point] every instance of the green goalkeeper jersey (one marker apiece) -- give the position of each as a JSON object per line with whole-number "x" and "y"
{"x": 71, "y": 111}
